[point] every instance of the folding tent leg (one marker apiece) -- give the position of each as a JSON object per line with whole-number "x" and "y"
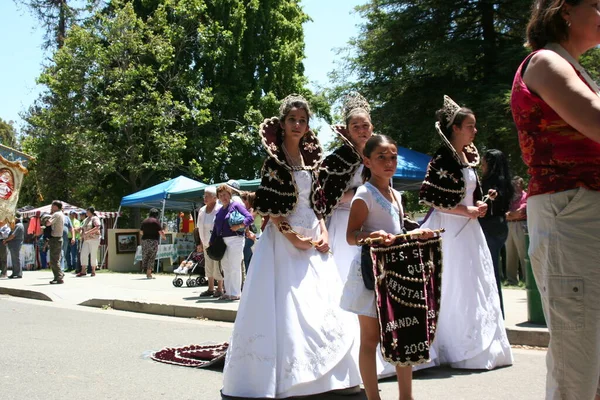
{"x": 162, "y": 217}
{"x": 104, "y": 262}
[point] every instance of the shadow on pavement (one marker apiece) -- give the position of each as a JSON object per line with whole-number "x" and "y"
{"x": 323, "y": 396}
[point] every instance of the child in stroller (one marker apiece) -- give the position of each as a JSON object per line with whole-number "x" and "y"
{"x": 192, "y": 265}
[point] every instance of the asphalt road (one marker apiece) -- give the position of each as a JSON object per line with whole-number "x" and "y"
{"x": 49, "y": 352}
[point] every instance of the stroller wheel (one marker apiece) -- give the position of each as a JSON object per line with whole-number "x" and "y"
{"x": 190, "y": 282}
{"x": 178, "y": 282}
{"x": 200, "y": 281}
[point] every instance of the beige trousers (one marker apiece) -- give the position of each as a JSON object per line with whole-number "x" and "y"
{"x": 564, "y": 231}
{"x": 515, "y": 251}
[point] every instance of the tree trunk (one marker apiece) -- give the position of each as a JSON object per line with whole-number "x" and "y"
{"x": 486, "y": 8}
{"x": 62, "y": 23}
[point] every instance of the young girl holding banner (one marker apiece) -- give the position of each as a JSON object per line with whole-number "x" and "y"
{"x": 375, "y": 213}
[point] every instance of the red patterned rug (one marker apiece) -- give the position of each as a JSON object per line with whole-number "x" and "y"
{"x": 195, "y": 356}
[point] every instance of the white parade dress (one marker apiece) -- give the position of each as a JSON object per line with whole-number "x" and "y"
{"x": 290, "y": 336}
{"x": 344, "y": 256}
{"x": 470, "y": 331}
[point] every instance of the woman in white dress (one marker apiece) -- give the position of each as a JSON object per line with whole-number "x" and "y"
{"x": 289, "y": 337}
{"x": 340, "y": 176}
{"x": 376, "y": 212}
{"x": 470, "y": 332}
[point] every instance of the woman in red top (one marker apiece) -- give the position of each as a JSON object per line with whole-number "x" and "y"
{"x": 556, "y": 107}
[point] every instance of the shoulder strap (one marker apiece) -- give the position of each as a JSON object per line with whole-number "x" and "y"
{"x": 400, "y": 211}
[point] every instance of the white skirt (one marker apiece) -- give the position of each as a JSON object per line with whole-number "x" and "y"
{"x": 470, "y": 331}
{"x": 290, "y": 336}
{"x": 356, "y": 298}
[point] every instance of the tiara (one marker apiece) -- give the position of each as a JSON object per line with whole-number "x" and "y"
{"x": 353, "y": 101}
{"x": 292, "y": 98}
{"x": 450, "y": 110}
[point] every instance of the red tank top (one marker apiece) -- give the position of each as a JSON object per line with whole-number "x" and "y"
{"x": 559, "y": 158}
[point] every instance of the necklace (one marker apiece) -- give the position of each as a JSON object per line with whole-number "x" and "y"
{"x": 297, "y": 161}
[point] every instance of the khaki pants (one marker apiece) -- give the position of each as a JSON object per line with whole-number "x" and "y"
{"x": 212, "y": 268}
{"x": 515, "y": 251}
{"x": 564, "y": 231}
{"x": 55, "y": 246}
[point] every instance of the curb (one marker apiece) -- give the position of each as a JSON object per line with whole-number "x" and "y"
{"x": 168, "y": 310}
{"x": 537, "y": 337}
{"x": 28, "y": 294}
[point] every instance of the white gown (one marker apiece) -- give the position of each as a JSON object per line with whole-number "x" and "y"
{"x": 470, "y": 331}
{"x": 344, "y": 255}
{"x": 290, "y": 336}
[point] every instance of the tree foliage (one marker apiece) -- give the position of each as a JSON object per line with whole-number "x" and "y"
{"x": 143, "y": 91}
{"x": 57, "y": 16}
{"x": 8, "y": 134}
{"x": 410, "y": 53}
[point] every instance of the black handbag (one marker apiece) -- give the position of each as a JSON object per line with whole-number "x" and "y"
{"x": 366, "y": 261}
{"x": 366, "y": 267}
{"x": 217, "y": 247}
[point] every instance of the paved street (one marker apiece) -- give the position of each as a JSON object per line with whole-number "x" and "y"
{"x": 57, "y": 351}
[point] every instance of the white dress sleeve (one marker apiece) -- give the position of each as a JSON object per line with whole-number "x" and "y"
{"x": 362, "y": 193}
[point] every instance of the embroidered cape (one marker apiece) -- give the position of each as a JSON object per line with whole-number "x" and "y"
{"x": 444, "y": 186}
{"x": 337, "y": 170}
{"x": 277, "y": 194}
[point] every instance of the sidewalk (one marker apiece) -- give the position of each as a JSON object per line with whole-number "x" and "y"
{"x": 133, "y": 292}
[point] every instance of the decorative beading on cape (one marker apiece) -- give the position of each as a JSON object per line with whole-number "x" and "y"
{"x": 277, "y": 194}
{"x": 444, "y": 186}
{"x": 337, "y": 170}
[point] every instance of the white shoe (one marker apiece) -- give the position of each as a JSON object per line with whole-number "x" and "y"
{"x": 185, "y": 270}
{"x": 178, "y": 270}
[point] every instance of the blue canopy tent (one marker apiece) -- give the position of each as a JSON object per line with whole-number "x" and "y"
{"x": 411, "y": 169}
{"x": 196, "y": 194}
{"x": 157, "y": 196}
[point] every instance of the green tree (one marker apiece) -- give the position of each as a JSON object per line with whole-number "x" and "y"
{"x": 8, "y": 134}
{"x": 57, "y": 16}
{"x": 109, "y": 121}
{"x": 410, "y": 53}
{"x": 146, "y": 90}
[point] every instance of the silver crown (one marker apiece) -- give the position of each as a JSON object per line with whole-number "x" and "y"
{"x": 353, "y": 101}
{"x": 450, "y": 110}
{"x": 292, "y": 98}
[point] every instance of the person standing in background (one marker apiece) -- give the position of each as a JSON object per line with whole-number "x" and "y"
{"x": 206, "y": 222}
{"x": 14, "y": 242}
{"x": 57, "y": 223}
{"x": 73, "y": 242}
{"x": 67, "y": 231}
{"x": 91, "y": 232}
{"x": 496, "y": 176}
{"x": 152, "y": 231}
{"x": 517, "y": 224}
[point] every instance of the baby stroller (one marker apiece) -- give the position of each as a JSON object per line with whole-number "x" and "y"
{"x": 193, "y": 265}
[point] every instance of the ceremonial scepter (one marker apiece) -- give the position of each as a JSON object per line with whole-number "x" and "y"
{"x": 485, "y": 199}
{"x": 369, "y": 241}
{"x": 285, "y": 227}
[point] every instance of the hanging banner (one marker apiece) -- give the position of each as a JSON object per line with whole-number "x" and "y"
{"x": 408, "y": 280}
{"x": 12, "y": 171}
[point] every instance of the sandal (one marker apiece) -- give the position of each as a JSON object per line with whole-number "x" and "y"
{"x": 225, "y": 297}
{"x": 207, "y": 293}
{"x": 218, "y": 294}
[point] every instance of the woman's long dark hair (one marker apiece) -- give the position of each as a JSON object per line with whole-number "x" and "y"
{"x": 374, "y": 142}
{"x": 498, "y": 176}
